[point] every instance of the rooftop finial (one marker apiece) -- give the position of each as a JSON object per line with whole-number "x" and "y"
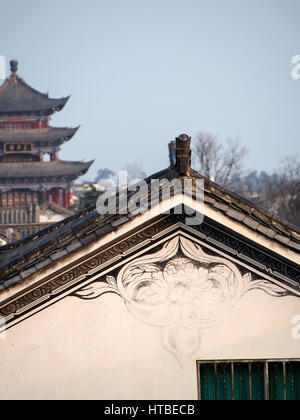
{"x": 183, "y": 154}
{"x": 172, "y": 153}
{"x": 14, "y": 66}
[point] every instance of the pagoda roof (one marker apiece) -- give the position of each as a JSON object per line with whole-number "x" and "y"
{"x": 24, "y": 172}
{"x": 18, "y": 98}
{"x": 38, "y": 135}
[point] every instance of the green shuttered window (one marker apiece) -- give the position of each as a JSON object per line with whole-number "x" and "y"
{"x": 249, "y": 380}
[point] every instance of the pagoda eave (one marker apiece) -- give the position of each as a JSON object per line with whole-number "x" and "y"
{"x": 46, "y": 180}
{"x": 47, "y": 112}
{"x": 49, "y": 136}
{"x": 42, "y": 172}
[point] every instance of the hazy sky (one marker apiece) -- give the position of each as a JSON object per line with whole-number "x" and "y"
{"x": 142, "y": 72}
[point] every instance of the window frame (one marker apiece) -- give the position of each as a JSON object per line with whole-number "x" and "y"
{"x": 231, "y": 362}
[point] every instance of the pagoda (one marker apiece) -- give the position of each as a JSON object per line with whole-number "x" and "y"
{"x": 35, "y": 185}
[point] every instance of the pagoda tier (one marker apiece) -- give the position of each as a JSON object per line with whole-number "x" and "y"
{"x": 41, "y": 172}
{"x": 19, "y": 99}
{"x": 34, "y": 142}
{"x": 49, "y": 136}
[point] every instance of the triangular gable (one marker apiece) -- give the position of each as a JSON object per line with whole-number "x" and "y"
{"x": 66, "y": 257}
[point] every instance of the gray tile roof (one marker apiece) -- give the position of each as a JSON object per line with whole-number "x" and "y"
{"x": 24, "y": 257}
{"x": 86, "y": 226}
{"x": 37, "y": 135}
{"x": 43, "y": 169}
{"x": 18, "y": 98}
{"x": 49, "y": 204}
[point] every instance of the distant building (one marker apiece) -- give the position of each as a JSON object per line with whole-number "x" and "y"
{"x": 35, "y": 185}
{"x": 81, "y": 190}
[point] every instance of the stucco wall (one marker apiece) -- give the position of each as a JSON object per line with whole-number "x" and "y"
{"x": 98, "y": 349}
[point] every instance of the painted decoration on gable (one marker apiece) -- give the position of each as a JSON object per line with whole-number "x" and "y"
{"x": 181, "y": 290}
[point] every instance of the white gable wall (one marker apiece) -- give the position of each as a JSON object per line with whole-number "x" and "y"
{"x": 97, "y": 349}
{"x": 103, "y": 349}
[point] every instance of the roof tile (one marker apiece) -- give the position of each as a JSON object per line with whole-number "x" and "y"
{"x": 43, "y": 169}
{"x": 16, "y": 97}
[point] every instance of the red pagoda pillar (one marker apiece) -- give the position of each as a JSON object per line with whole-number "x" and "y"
{"x": 66, "y": 199}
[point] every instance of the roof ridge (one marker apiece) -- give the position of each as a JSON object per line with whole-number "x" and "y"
{"x": 52, "y": 204}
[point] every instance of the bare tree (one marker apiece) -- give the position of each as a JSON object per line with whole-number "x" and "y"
{"x": 283, "y": 193}
{"x": 218, "y": 161}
